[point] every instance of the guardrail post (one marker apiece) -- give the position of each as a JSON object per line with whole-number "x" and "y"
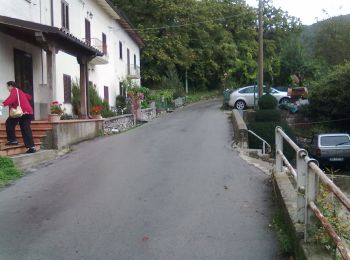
{"x": 301, "y": 181}
{"x": 310, "y": 193}
{"x": 279, "y": 147}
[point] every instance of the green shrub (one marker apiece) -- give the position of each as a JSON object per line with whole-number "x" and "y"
{"x": 266, "y": 130}
{"x": 268, "y": 115}
{"x": 267, "y": 102}
{"x": 6, "y": 162}
{"x": 94, "y": 98}
{"x": 76, "y": 97}
{"x": 106, "y": 111}
{"x": 120, "y": 104}
{"x": 8, "y": 171}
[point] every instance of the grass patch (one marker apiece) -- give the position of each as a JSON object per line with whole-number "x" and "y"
{"x": 282, "y": 232}
{"x": 8, "y": 171}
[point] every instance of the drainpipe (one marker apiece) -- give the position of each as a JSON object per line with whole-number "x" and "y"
{"x": 51, "y": 7}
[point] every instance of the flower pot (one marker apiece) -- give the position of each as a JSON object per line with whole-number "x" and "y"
{"x": 54, "y": 118}
{"x": 96, "y": 116}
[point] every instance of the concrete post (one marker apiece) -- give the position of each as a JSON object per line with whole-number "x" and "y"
{"x": 279, "y": 147}
{"x": 301, "y": 181}
{"x": 310, "y": 193}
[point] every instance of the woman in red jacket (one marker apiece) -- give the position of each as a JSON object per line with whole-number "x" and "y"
{"x": 24, "y": 121}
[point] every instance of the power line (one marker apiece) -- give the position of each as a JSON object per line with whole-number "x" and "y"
{"x": 322, "y": 122}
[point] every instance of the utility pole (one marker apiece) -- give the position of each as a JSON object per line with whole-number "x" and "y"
{"x": 186, "y": 83}
{"x": 261, "y": 50}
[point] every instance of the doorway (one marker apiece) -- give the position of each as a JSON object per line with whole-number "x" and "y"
{"x": 24, "y": 72}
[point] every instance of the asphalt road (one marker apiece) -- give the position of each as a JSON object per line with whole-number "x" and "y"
{"x": 171, "y": 189}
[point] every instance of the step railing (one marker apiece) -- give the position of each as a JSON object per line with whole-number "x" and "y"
{"x": 307, "y": 176}
{"x": 264, "y": 143}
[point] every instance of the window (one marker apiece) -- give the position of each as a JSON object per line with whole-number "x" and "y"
{"x": 135, "y": 62}
{"x": 122, "y": 91}
{"x": 104, "y": 44}
{"x": 128, "y": 60}
{"x": 67, "y": 86}
{"x": 247, "y": 90}
{"x": 120, "y": 50}
{"x": 65, "y": 15}
{"x": 106, "y": 94}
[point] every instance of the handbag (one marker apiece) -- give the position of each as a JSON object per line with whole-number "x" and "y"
{"x": 16, "y": 112}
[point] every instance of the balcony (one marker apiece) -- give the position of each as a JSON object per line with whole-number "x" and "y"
{"x": 133, "y": 71}
{"x": 98, "y": 44}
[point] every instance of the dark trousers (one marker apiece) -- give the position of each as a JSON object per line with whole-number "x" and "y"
{"x": 24, "y": 123}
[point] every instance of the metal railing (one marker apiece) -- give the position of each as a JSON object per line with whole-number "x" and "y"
{"x": 306, "y": 175}
{"x": 263, "y": 142}
{"x": 97, "y": 44}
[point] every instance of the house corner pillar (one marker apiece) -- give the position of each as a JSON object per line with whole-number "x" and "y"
{"x": 51, "y": 72}
{"x": 84, "y": 82}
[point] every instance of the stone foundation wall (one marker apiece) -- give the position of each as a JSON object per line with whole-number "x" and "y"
{"x": 146, "y": 115}
{"x": 118, "y": 123}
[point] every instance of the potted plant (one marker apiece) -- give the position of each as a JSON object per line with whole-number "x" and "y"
{"x": 96, "y": 112}
{"x": 55, "y": 111}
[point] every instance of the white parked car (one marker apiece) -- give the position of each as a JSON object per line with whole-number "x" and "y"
{"x": 244, "y": 97}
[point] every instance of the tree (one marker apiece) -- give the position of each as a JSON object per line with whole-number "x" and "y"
{"x": 331, "y": 97}
{"x": 295, "y": 62}
{"x": 215, "y": 41}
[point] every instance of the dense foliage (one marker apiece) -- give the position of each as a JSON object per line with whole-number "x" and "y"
{"x": 214, "y": 41}
{"x": 331, "y": 97}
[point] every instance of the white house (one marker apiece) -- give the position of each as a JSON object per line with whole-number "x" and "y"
{"x": 46, "y": 45}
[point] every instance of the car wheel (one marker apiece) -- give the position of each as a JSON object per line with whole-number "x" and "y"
{"x": 284, "y": 100}
{"x": 240, "y": 105}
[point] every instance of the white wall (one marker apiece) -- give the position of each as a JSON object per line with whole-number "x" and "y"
{"x": 35, "y": 10}
{"x": 102, "y": 75}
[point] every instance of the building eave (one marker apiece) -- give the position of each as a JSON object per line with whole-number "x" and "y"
{"x": 109, "y": 8}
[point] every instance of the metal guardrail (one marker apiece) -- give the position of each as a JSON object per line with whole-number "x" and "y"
{"x": 263, "y": 141}
{"x": 306, "y": 175}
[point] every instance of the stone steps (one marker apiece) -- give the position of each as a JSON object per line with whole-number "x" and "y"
{"x": 39, "y": 130}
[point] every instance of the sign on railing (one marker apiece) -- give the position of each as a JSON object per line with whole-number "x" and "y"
{"x": 306, "y": 174}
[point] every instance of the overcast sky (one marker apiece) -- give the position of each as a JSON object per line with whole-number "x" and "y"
{"x": 310, "y": 10}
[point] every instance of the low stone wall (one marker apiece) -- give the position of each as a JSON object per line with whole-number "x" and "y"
{"x": 118, "y": 123}
{"x": 240, "y": 135}
{"x": 146, "y": 114}
{"x": 67, "y": 132}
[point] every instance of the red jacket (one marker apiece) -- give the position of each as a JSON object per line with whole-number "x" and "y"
{"x": 12, "y": 101}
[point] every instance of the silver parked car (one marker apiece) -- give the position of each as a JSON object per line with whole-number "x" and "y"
{"x": 244, "y": 97}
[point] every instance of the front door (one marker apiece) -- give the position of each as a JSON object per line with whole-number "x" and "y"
{"x": 24, "y": 72}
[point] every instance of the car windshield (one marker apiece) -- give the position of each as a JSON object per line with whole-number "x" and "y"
{"x": 334, "y": 140}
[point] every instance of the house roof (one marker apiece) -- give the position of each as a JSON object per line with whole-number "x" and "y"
{"x": 125, "y": 24}
{"x": 128, "y": 27}
{"x": 42, "y": 35}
